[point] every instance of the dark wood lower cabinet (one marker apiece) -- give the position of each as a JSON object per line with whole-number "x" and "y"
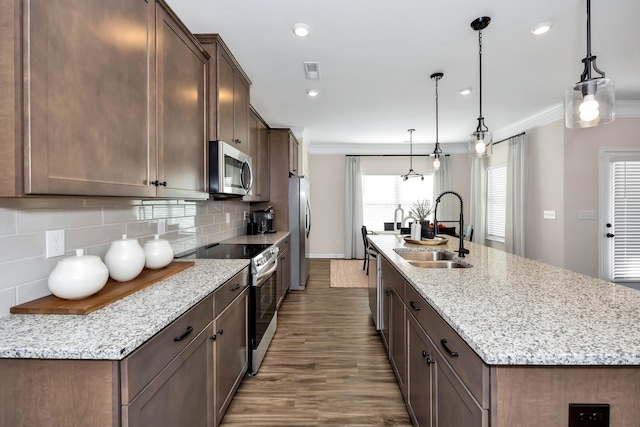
{"x": 398, "y": 338}
{"x": 420, "y": 373}
{"x": 230, "y": 352}
{"x": 180, "y": 395}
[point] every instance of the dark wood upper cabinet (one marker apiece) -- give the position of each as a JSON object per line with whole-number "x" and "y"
{"x": 228, "y": 95}
{"x": 105, "y": 99}
{"x": 259, "y": 143}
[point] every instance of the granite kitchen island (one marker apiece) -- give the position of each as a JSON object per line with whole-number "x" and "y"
{"x": 538, "y": 337}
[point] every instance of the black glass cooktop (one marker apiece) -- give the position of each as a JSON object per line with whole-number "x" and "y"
{"x": 226, "y": 251}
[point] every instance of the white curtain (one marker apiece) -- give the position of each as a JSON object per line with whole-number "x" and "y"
{"x": 448, "y": 208}
{"x": 354, "y": 245}
{"x": 478, "y": 199}
{"x": 516, "y": 195}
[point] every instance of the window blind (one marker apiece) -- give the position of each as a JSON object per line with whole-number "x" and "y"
{"x": 626, "y": 221}
{"x": 496, "y": 202}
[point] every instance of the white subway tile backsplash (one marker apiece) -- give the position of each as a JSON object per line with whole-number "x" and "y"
{"x": 93, "y": 224}
{"x": 51, "y": 219}
{"x": 7, "y": 300}
{"x": 8, "y": 222}
{"x": 34, "y": 290}
{"x": 18, "y": 246}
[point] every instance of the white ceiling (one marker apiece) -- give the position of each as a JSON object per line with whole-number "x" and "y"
{"x": 376, "y": 57}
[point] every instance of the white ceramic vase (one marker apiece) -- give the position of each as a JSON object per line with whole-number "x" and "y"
{"x": 158, "y": 253}
{"x": 125, "y": 259}
{"x": 78, "y": 276}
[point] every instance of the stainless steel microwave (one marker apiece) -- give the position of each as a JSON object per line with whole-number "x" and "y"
{"x": 230, "y": 172}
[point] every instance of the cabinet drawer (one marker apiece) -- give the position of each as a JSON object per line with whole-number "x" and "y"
{"x": 283, "y": 244}
{"x": 466, "y": 364}
{"x": 229, "y": 291}
{"x": 139, "y": 368}
{"x": 392, "y": 276}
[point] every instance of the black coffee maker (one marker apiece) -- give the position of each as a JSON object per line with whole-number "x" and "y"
{"x": 264, "y": 220}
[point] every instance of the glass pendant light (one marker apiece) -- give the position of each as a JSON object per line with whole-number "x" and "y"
{"x": 437, "y": 152}
{"x": 480, "y": 143}
{"x": 411, "y": 173}
{"x": 591, "y": 101}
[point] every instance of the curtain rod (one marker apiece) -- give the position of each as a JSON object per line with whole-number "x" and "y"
{"x": 391, "y": 155}
{"x": 506, "y": 139}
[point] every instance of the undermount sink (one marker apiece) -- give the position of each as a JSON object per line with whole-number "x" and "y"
{"x": 425, "y": 255}
{"x": 439, "y": 264}
{"x": 431, "y": 259}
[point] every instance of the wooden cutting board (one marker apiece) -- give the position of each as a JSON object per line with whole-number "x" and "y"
{"x": 111, "y": 292}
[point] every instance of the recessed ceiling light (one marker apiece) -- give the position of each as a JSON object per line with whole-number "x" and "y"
{"x": 541, "y": 28}
{"x": 312, "y": 92}
{"x": 301, "y": 30}
{"x": 465, "y": 91}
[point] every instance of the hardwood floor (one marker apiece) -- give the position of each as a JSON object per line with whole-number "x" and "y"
{"x": 326, "y": 365}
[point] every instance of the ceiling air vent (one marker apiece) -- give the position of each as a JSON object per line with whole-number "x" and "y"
{"x": 312, "y": 70}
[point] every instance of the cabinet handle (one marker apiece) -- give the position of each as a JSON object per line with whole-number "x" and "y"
{"x": 424, "y": 353}
{"x": 427, "y": 357}
{"x": 387, "y": 293}
{"x": 414, "y": 306}
{"x": 158, "y": 183}
{"x": 186, "y": 334}
{"x": 448, "y": 350}
{"x": 220, "y": 331}
{"x": 237, "y": 141}
{"x": 212, "y": 337}
{"x": 235, "y": 288}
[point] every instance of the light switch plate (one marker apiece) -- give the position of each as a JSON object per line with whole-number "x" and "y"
{"x": 54, "y": 243}
{"x": 549, "y": 215}
{"x": 162, "y": 227}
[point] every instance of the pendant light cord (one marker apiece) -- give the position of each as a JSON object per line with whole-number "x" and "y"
{"x": 480, "y": 91}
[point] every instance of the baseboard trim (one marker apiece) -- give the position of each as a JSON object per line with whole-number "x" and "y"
{"x": 327, "y": 256}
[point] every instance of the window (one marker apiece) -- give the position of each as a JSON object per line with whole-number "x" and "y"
{"x": 496, "y": 202}
{"x": 381, "y": 195}
{"x": 626, "y": 221}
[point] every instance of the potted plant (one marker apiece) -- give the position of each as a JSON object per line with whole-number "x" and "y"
{"x": 420, "y": 210}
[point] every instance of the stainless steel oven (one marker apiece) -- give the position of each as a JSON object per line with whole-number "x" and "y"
{"x": 263, "y": 293}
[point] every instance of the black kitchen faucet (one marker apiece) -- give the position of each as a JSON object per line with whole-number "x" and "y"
{"x": 461, "y": 250}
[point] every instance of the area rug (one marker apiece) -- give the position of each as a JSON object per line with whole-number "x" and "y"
{"x": 347, "y": 273}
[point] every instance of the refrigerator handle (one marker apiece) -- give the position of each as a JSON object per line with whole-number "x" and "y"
{"x": 308, "y": 218}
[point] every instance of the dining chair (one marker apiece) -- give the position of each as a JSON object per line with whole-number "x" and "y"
{"x": 468, "y": 232}
{"x": 366, "y": 248}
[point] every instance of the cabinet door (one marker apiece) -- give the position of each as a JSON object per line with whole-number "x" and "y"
{"x": 420, "y": 384}
{"x": 293, "y": 156}
{"x": 241, "y": 113}
{"x": 454, "y": 406}
{"x": 283, "y": 275}
{"x": 386, "y": 311}
{"x": 181, "y": 394}
{"x": 181, "y": 77}
{"x": 398, "y": 340}
{"x": 231, "y": 356}
{"x": 259, "y": 143}
{"x": 226, "y": 78}
{"x": 88, "y": 100}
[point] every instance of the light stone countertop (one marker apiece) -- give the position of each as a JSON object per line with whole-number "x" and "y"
{"x": 117, "y": 329}
{"x": 266, "y": 238}
{"x": 516, "y": 311}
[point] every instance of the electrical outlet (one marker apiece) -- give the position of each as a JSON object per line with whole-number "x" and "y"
{"x": 227, "y": 218}
{"x": 245, "y": 215}
{"x": 588, "y": 415}
{"x": 54, "y": 243}
{"x": 549, "y": 214}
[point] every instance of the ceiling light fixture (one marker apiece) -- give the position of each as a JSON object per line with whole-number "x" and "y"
{"x": 541, "y": 29}
{"x": 480, "y": 142}
{"x": 312, "y": 92}
{"x": 411, "y": 173}
{"x": 437, "y": 152}
{"x": 465, "y": 91}
{"x": 301, "y": 30}
{"x": 591, "y": 101}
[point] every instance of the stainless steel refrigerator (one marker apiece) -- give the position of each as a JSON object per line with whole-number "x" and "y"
{"x": 299, "y": 227}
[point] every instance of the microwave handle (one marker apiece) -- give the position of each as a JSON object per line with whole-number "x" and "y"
{"x": 246, "y": 186}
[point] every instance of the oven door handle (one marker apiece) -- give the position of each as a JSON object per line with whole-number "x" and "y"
{"x": 267, "y": 273}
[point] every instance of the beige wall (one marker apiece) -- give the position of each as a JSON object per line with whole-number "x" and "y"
{"x": 327, "y": 189}
{"x": 581, "y": 181}
{"x": 544, "y": 238}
